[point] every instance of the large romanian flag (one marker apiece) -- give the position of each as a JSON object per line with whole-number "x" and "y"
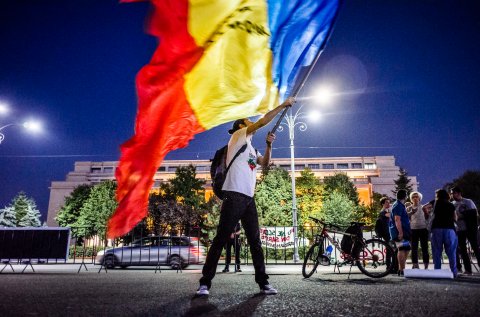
{"x": 216, "y": 61}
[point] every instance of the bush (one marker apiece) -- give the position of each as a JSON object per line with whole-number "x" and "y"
{"x": 82, "y": 251}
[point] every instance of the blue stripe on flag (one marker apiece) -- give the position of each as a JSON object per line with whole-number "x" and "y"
{"x": 299, "y": 30}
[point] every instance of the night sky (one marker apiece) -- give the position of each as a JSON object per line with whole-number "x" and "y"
{"x": 407, "y": 73}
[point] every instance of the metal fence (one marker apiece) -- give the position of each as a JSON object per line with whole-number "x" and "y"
{"x": 178, "y": 249}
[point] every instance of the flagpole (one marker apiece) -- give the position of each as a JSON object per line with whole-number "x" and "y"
{"x": 310, "y": 69}
{"x": 290, "y": 120}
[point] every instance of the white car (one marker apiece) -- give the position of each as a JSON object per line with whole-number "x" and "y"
{"x": 177, "y": 252}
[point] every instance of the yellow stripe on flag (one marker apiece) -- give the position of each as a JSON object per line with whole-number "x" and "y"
{"x": 233, "y": 77}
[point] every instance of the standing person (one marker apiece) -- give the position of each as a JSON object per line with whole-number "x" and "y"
{"x": 399, "y": 227}
{"x": 234, "y": 242}
{"x": 443, "y": 230}
{"x": 467, "y": 214}
{"x": 418, "y": 224}
{"x": 381, "y": 228}
{"x": 239, "y": 203}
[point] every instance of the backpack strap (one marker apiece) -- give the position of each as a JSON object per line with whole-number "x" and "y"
{"x": 240, "y": 151}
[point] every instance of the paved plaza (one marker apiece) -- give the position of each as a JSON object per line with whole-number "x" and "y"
{"x": 57, "y": 290}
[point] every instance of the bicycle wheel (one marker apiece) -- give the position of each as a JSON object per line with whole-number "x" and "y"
{"x": 312, "y": 259}
{"x": 372, "y": 260}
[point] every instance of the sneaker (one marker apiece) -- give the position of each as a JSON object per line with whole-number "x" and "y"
{"x": 268, "y": 290}
{"x": 468, "y": 273}
{"x": 225, "y": 270}
{"x": 203, "y": 290}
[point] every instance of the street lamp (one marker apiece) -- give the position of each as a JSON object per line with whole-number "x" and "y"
{"x": 291, "y": 120}
{"x": 32, "y": 126}
{"x": 3, "y": 108}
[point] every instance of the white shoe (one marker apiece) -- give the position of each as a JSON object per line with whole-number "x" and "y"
{"x": 268, "y": 290}
{"x": 203, "y": 290}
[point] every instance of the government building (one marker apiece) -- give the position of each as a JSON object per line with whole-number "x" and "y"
{"x": 368, "y": 173}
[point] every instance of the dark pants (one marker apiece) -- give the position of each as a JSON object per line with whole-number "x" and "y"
{"x": 236, "y": 207}
{"x": 391, "y": 256}
{"x": 471, "y": 235}
{"x": 422, "y": 236}
{"x": 235, "y": 243}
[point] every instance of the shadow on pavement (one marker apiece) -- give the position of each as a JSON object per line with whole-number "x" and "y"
{"x": 200, "y": 306}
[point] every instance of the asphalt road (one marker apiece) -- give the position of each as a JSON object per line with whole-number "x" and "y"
{"x": 60, "y": 291}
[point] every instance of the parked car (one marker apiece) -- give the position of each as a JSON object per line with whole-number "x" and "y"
{"x": 177, "y": 252}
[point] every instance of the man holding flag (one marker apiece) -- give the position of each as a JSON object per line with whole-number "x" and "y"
{"x": 217, "y": 61}
{"x": 239, "y": 204}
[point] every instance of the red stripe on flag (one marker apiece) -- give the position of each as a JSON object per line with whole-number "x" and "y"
{"x": 165, "y": 121}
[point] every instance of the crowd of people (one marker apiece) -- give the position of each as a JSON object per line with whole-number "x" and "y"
{"x": 448, "y": 222}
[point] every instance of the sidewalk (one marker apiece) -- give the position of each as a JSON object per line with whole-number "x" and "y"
{"x": 271, "y": 269}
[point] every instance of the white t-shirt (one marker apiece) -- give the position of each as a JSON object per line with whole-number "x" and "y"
{"x": 242, "y": 175}
{"x": 460, "y": 207}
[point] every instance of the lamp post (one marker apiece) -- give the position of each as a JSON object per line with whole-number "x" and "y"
{"x": 29, "y": 125}
{"x": 291, "y": 121}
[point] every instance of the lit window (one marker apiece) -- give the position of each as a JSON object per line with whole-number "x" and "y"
{"x": 370, "y": 166}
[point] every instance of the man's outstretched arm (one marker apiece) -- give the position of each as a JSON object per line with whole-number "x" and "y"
{"x": 269, "y": 116}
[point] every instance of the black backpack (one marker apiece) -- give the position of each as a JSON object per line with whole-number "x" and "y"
{"x": 347, "y": 244}
{"x": 219, "y": 169}
{"x": 381, "y": 230}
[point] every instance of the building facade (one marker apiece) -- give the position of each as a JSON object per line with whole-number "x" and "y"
{"x": 368, "y": 173}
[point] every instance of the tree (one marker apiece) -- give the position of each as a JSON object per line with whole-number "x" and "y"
{"x": 309, "y": 192}
{"x": 469, "y": 182}
{"x": 273, "y": 197}
{"x": 7, "y": 217}
{"x": 340, "y": 183}
{"x": 20, "y": 205}
{"x": 338, "y": 209}
{"x": 402, "y": 182}
{"x": 211, "y": 220}
{"x": 186, "y": 187}
{"x": 31, "y": 218}
{"x": 70, "y": 211}
{"x": 22, "y": 212}
{"x": 179, "y": 203}
{"x": 97, "y": 209}
{"x": 369, "y": 214}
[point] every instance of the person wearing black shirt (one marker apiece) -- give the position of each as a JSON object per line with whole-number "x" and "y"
{"x": 234, "y": 242}
{"x": 443, "y": 230}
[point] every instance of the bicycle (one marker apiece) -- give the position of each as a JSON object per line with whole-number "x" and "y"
{"x": 369, "y": 255}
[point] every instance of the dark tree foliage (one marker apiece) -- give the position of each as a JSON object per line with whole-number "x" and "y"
{"x": 469, "y": 182}
{"x": 180, "y": 204}
{"x": 369, "y": 214}
{"x": 402, "y": 182}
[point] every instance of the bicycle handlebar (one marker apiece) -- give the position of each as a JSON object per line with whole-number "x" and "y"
{"x": 325, "y": 224}
{"x": 361, "y": 224}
